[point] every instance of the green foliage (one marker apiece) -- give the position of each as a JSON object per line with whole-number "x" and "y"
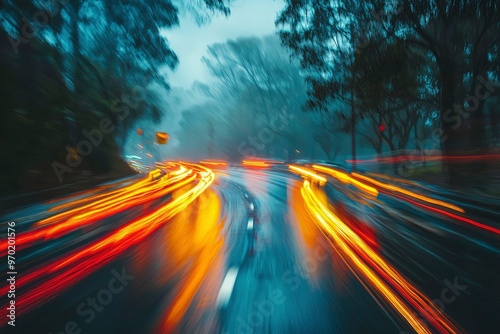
{"x": 371, "y": 56}
{"x": 89, "y": 58}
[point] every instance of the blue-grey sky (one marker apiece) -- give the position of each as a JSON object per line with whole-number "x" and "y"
{"x": 189, "y": 41}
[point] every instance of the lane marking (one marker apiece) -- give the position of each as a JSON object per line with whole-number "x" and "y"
{"x": 227, "y": 286}
{"x": 251, "y": 206}
{"x": 250, "y": 223}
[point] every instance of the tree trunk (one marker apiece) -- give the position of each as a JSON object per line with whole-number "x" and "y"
{"x": 477, "y": 120}
{"x": 452, "y": 141}
{"x": 394, "y": 155}
{"x": 495, "y": 126}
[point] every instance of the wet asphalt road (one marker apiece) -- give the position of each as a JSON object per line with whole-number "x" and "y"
{"x": 245, "y": 256}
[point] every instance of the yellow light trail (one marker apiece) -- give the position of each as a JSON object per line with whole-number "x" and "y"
{"x": 97, "y": 200}
{"x": 84, "y": 200}
{"x": 213, "y": 163}
{"x": 47, "y": 281}
{"x": 345, "y": 178}
{"x": 408, "y": 193}
{"x": 145, "y": 224}
{"x": 354, "y": 251}
{"x": 255, "y": 163}
{"x": 308, "y": 172}
{"x": 82, "y": 193}
{"x": 200, "y": 251}
{"x": 138, "y": 193}
{"x": 135, "y": 198}
{"x": 394, "y": 179}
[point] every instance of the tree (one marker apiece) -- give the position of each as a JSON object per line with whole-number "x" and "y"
{"x": 458, "y": 38}
{"x": 462, "y": 39}
{"x": 202, "y": 10}
{"x": 68, "y": 65}
{"x": 389, "y": 92}
{"x": 323, "y": 35}
{"x": 256, "y": 81}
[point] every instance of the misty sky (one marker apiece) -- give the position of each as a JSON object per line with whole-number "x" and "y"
{"x": 248, "y": 18}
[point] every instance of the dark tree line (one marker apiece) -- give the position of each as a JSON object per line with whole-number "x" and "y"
{"x": 65, "y": 66}
{"x": 395, "y": 62}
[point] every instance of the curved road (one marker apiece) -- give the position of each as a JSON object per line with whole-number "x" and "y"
{"x": 258, "y": 248}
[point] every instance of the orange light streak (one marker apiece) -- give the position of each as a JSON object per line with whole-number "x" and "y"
{"x": 135, "y": 194}
{"x": 408, "y": 193}
{"x": 255, "y": 163}
{"x": 363, "y": 260}
{"x": 345, "y": 178}
{"x": 203, "y": 249}
{"x": 308, "y": 172}
{"x": 97, "y": 200}
{"x": 452, "y": 215}
{"x": 213, "y": 163}
{"x": 71, "y": 269}
{"x": 84, "y": 192}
